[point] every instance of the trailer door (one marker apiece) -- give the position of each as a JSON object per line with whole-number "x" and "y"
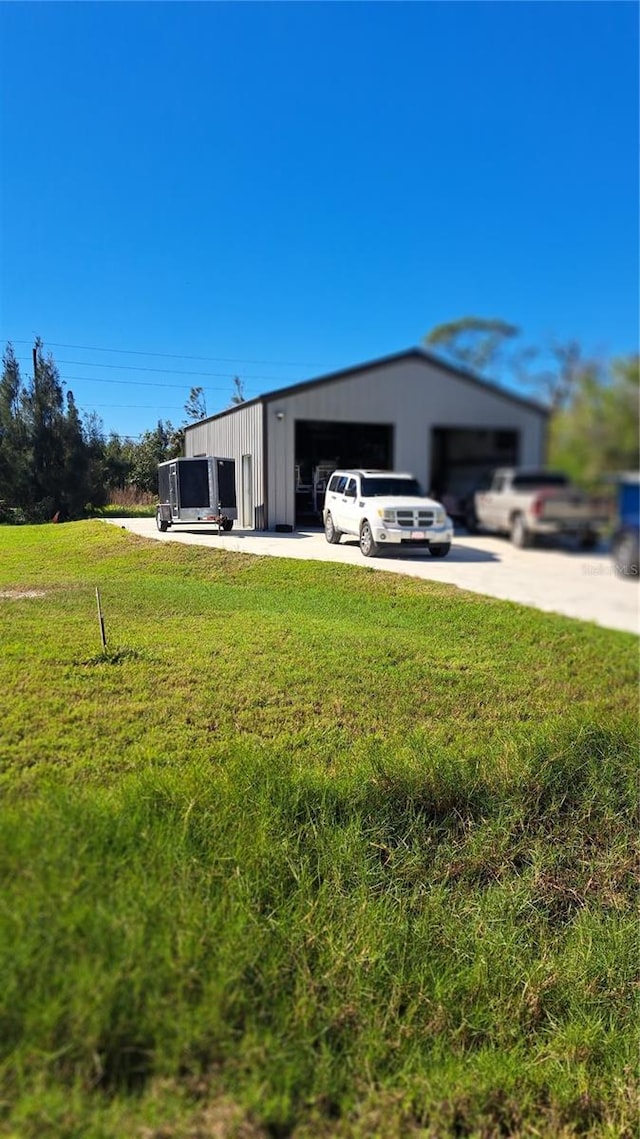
{"x": 247, "y": 491}
{"x": 174, "y": 500}
{"x": 226, "y": 483}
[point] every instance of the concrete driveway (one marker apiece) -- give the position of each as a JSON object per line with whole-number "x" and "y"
{"x": 556, "y": 580}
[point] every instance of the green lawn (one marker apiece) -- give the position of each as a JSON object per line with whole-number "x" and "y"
{"x": 125, "y": 510}
{"x": 311, "y": 851}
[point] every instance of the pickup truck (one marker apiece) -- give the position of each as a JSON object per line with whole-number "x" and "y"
{"x": 527, "y": 503}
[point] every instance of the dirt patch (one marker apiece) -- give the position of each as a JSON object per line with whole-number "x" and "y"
{"x": 19, "y": 594}
{"x": 222, "y": 1119}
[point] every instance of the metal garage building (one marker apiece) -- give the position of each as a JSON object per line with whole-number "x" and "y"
{"x": 409, "y": 412}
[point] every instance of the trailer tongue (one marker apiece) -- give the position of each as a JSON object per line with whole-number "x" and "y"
{"x": 196, "y": 491}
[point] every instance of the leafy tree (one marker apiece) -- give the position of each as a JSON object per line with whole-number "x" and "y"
{"x": 50, "y": 460}
{"x": 96, "y": 485}
{"x": 76, "y": 460}
{"x": 595, "y": 432}
{"x": 548, "y": 372}
{"x": 556, "y": 381}
{"x": 154, "y": 447}
{"x": 238, "y": 392}
{"x": 43, "y": 411}
{"x": 594, "y": 403}
{"x": 196, "y": 405}
{"x": 13, "y": 441}
{"x": 117, "y": 457}
{"x": 473, "y": 341}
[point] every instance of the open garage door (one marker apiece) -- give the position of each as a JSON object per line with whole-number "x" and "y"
{"x": 322, "y": 447}
{"x": 461, "y": 458}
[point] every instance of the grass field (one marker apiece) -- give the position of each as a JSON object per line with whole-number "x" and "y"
{"x": 310, "y": 851}
{"x": 126, "y": 510}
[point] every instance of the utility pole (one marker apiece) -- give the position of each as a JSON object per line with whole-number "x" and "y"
{"x": 38, "y": 462}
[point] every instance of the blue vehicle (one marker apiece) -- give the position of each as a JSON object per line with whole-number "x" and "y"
{"x": 625, "y": 542}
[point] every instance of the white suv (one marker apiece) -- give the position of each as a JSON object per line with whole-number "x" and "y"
{"x": 383, "y": 508}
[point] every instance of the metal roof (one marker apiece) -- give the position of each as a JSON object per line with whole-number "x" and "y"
{"x": 419, "y": 354}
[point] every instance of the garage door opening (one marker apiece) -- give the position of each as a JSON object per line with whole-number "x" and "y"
{"x": 322, "y": 447}
{"x": 462, "y": 457}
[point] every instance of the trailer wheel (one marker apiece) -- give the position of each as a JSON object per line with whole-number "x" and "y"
{"x": 160, "y": 522}
{"x": 227, "y": 523}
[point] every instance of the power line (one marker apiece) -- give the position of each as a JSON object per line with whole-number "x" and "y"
{"x": 159, "y": 407}
{"x": 164, "y": 371}
{"x": 132, "y": 383}
{"x": 177, "y": 356}
{"x": 129, "y": 407}
{"x": 85, "y": 407}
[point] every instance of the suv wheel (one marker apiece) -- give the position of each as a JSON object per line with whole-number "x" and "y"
{"x": 331, "y": 534}
{"x": 368, "y": 545}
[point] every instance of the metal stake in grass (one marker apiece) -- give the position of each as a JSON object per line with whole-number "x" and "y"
{"x": 101, "y": 620}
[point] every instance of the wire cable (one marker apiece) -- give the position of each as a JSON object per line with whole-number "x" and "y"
{"x": 163, "y": 371}
{"x": 130, "y": 406}
{"x": 133, "y": 383}
{"x": 177, "y": 356}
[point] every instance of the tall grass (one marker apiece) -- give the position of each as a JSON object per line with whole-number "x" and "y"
{"x": 347, "y": 875}
{"x": 131, "y": 496}
{"x": 126, "y": 502}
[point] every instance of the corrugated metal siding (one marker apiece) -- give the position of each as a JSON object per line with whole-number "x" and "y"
{"x": 231, "y": 437}
{"x": 412, "y": 395}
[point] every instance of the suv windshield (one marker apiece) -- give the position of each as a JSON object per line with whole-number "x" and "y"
{"x": 390, "y": 488}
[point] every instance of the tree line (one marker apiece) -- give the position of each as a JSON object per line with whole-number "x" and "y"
{"x": 55, "y": 463}
{"x": 594, "y": 404}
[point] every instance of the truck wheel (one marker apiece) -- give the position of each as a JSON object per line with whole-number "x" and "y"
{"x": 332, "y": 535}
{"x": 368, "y": 545}
{"x": 227, "y": 523}
{"x": 520, "y": 536}
{"x": 160, "y": 522}
{"x": 440, "y": 550}
{"x": 588, "y": 541}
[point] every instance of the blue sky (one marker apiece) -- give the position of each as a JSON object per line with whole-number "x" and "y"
{"x": 288, "y": 189}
